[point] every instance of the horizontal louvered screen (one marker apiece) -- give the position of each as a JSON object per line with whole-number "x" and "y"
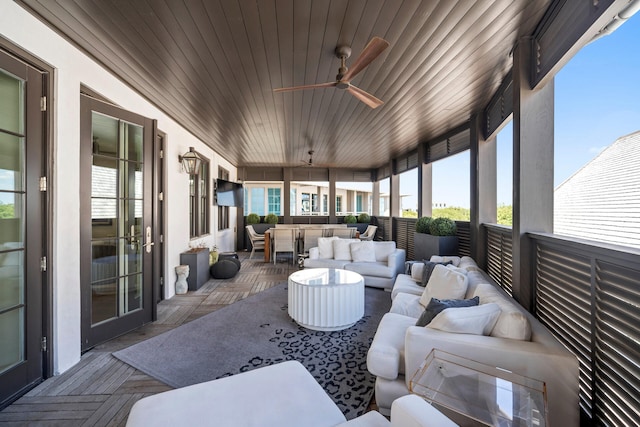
{"x": 447, "y": 146}
{"x": 589, "y": 297}
{"x": 500, "y": 107}
{"x": 384, "y": 227}
{"x": 382, "y": 173}
{"x": 617, "y": 350}
{"x": 407, "y": 162}
{"x": 563, "y": 304}
{"x": 499, "y": 256}
{"x": 404, "y": 230}
{"x": 464, "y": 238}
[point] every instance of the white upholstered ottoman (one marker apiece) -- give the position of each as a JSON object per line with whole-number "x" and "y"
{"x": 285, "y": 394}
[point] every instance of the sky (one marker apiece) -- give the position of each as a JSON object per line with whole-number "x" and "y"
{"x": 597, "y": 100}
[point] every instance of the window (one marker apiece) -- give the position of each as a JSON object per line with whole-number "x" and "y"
{"x": 256, "y": 196}
{"x": 273, "y": 195}
{"x": 199, "y": 201}
{"x": 325, "y": 204}
{"x": 292, "y": 201}
{"x": 359, "y": 203}
{"x": 339, "y": 204}
{"x": 223, "y": 211}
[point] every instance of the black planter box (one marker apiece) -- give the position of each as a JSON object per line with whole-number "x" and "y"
{"x": 198, "y": 263}
{"x": 427, "y": 245}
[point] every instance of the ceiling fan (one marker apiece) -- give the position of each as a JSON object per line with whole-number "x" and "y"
{"x": 310, "y": 161}
{"x": 343, "y": 80}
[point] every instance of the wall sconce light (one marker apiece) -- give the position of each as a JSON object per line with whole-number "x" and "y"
{"x": 190, "y": 162}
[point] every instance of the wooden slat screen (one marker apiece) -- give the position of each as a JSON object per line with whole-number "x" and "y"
{"x": 384, "y": 227}
{"x": 588, "y": 296}
{"x": 464, "y": 238}
{"x": 448, "y": 145}
{"x": 499, "y": 256}
{"x": 500, "y": 107}
{"x": 406, "y": 162}
{"x": 404, "y": 228}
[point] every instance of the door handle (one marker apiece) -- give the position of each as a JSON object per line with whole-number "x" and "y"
{"x": 148, "y": 243}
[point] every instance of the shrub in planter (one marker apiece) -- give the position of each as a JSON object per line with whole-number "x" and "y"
{"x": 271, "y": 219}
{"x": 253, "y": 219}
{"x": 423, "y": 223}
{"x": 442, "y": 227}
{"x": 350, "y": 219}
{"x": 364, "y": 218}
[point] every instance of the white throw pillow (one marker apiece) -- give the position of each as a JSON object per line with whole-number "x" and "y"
{"x": 384, "y": 249}
{"x": 363, "y": 251}
{"x": 444, "y": 283}
{"x": 342, "y": 249}
{"x": 478, "y": 320}
{"x": 325, "y": 247}
{"x": 457, "y": 269}
{"x": 467, "y": 262}
{"x": 416, "y": 271}
{"x": 512, "y": 323}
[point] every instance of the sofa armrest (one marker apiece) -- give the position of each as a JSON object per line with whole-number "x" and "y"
{"x": 413, "y": 411}
{"x": 314, "y": 253}
{"x": 557, "y": 367}
{"x": 395, "y": 261}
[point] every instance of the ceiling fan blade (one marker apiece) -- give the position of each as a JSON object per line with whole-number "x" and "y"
{"x": 365, "y": 97}
{"x": 374, "y": 48}
{"x": 314, "y": 86}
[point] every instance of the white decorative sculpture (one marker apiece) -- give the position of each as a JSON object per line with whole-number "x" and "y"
{"x": 182, "y": 271}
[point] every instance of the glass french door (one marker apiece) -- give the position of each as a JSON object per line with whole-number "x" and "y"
{"x": 21, "y": 226}
{"x": 116, "y": 215}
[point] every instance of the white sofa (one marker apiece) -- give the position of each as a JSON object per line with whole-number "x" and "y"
{"x": 518, "y": 342}
{"x": 378, "y": 262}
{"x": 282, "y": 395}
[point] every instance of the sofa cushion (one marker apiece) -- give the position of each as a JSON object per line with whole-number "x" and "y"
{"x": 455, "y": 260}
{"x": 407, "y": 305}
{"x": 416, "y": 271}
{"x": 325, "y": 263}
{"x": 363, "y": 251}
{"x": 427, "y": 269}
{"x": 512, "y": 323}
{"x": 342, "y": 249}
{"x": 436, "y": 306}
{"x": 444, "y": 284}
{"x": 385, "y": 357}
{"x": 405, "y": 284}
{"x": 376, "y": 269}
{"x": 468, "y": 263}
{"x": 384, "y": 249}
{"x": 325, "y": 247}
{"x": 478, "y": 320}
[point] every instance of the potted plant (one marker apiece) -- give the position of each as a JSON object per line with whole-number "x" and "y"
{"x": 350, "y": 219}
{"x": 271, "y": 218}
{"x": 364, "y": 218}
{"x": 253, "y": 218}
{"x": 434, "y": 236}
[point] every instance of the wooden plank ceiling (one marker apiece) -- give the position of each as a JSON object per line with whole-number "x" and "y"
{"x": 212, "y": 66}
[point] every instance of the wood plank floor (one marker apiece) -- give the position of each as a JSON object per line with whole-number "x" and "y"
{"x": 100, "y": 389}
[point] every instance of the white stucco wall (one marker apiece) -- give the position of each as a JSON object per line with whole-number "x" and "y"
{"x": 73, "y": 68}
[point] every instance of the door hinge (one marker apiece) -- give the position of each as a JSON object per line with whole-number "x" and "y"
{"x": 161, "y": 281}
{"x": 162, "y": 238}
{"x": 162, "y": 154}
{"x": 43, "y": 344}
{"x": 161, "y": 196}
{"x": 43, "y": 103}
{"x": 43, "y": 263}
{"x": 43, "y": 183}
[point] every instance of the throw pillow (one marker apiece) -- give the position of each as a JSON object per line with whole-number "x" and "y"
{"x": 342, "y": 249}
{"x": 384, "y": 249}
{"x": 458, "y": 269}
{"x": 512, "y": 323}
{"x": 416, "y": 271}
{"x": 363, "y": 251}
{"x": 444, "y": 284}
{"x": 325, "y": 247}
{"x": 478, "y": 320}
{"x": 428, "y": 269}
{"x": 436, "y": 306}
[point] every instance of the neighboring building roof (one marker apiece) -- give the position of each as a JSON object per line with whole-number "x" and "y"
{"x": 602, "y": 200}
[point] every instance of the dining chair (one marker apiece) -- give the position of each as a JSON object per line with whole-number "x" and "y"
{"x": 284, "y": 240}
{"x": 369, "y": 233}
{"x": 257, "y": 240}
{"x": 344, "y": 232}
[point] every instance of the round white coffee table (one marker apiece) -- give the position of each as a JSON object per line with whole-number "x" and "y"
{"x": 326, "y": 299}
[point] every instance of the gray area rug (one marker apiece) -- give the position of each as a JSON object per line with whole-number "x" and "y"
{"x": 257, "y": 331}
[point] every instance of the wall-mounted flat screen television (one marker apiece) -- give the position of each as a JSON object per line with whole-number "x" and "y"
{"x": 229, "y": 193}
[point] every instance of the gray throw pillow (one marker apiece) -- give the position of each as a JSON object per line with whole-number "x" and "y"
{"x": 436, "y": 306}
{"x": 428, "y": 269}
